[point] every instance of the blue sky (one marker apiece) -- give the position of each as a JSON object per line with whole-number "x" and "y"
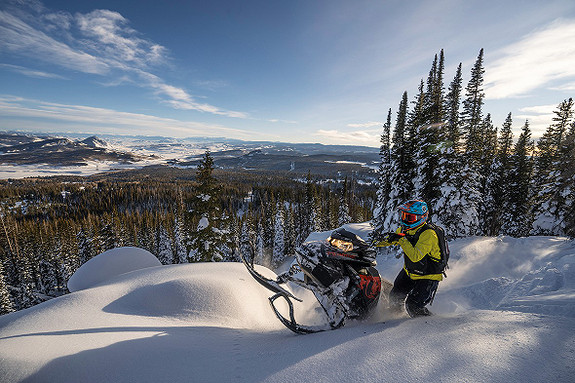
{"x": 295, "y": 71}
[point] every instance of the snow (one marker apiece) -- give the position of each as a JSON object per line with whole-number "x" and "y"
{"x": 13, "y": 171}
{"x": 504, "y": 314}
{"x": 204, "y": 222}
{"x": 110, "y": 264}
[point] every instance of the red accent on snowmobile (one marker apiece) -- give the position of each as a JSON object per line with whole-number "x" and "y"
{"x": 370, "y": 285}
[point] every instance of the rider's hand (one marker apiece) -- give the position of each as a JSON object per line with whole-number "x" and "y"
{"x": 393, "y": 237}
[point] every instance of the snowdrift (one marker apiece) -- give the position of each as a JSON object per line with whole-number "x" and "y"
{"x": 110, "y": 264}
{"x": 504, "y": 314}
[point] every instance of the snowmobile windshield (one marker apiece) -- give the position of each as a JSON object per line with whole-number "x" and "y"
{"x": 340, "y": 244}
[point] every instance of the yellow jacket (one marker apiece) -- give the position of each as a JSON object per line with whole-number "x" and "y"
{"x": 419, "y": 259}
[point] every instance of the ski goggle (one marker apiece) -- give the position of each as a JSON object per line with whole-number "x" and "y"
{"x": 409, "y": 217}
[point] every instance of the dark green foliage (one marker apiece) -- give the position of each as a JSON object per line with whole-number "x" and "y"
{"x": 47, "y": 237}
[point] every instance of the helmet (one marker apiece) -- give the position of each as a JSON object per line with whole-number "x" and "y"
{"x": 413, "y": 213}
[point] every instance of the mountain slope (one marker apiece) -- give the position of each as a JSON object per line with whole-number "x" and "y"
{"x": 212, "y": 323}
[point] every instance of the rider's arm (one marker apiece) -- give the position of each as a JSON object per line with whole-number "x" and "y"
{"x": 423, "y": 246}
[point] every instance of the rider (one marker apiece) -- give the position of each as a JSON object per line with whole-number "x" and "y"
{"x": 417, "y": 282}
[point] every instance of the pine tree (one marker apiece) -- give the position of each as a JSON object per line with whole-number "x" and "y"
{"x": 85, "y": 246}
{"x": 486, "y": 159}
{"x": 206, "y": 240}
{"x": 449, "y": 207}
{"x": 452, "y": 104}
{"x": 553, "y": 174}
{"x": 497, "y": 181}
{"x": 472, "y": 114}
{"x": 517, "y": 217}
{"x": 180, "y": 253}
{"x": 279, "y": 237}
{"x": 401, "y": 169}
{"x": 290, "y": 232}
{"x": 248, "y": 237}
{"x": 568, "y": 176}
{"x": 164, "y": 251}
{"x": 469, "y": 189}
{"x": 311, "y": 208}
{"x": 384, "y": 180}
{"x": 108, "y": 239}
{"x": 552, "y": 202}
{"x": 6, "y": 305}
{"x": 343, "y": 216}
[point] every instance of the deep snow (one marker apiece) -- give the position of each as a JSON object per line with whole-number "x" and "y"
{"x": 506, "y": 313}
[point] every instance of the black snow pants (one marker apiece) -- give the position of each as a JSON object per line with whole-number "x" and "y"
{"x": 415, "y": 293}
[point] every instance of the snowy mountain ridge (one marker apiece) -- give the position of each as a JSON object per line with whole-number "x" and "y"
{"x": 504, "y": 314}
{"x": 23, "y": 155}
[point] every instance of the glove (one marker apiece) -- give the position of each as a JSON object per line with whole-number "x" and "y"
{"x": 393, "y": 237}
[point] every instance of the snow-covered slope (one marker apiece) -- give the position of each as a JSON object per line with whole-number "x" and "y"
{"x": 504, "y": 314}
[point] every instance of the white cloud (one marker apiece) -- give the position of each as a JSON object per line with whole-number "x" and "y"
{"x": 369, "y": 124}
{"x": 17, "y": 36}
{"x": 538, "y": 59}
{"x": 569, "y": 87}
{"x": 95, "y": 118}
{"x": 539, "y": 117}
{"x": 30, "y": 72}
{"x": 358, "y": 137}
{"x": 103, "y": 44}
{"x": 539, "y": 109}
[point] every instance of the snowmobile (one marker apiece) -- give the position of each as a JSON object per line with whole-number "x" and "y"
{"x": 339, "y": 272}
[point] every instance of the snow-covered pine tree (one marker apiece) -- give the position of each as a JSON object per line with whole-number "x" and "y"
{"x": 85, "y": 246}
{"x": 260, "y": 255}
{"x": 452, "y": 116}
{"x": 310, "y": 209}
{"x": 470, "y": 196}
{"x": 6, "y": 305}
{"x": 278, "y": 254}
{"x": 26, "y": 288}
{"x": 425, "y": 144}
{"x": 567, "y": 170}
{"x": 248, "y": 236}
{"x": 343, "y": 216}
{"x": 496, "y": 194}
{"x": 290, "y": 231}
{"x": 517, "y": 215}
{"x": 383, "y": 180}
{"x": 401, "y": 170}
{"x": 449, "y": 207}
{"x": 179, "y": 247}
{"x": 206, "y": 239}
{"x": 552, "y": 202}
{"x": 488, "y": 154}
{"x": 107, "y": 238}
{"x": 164, "y": 251}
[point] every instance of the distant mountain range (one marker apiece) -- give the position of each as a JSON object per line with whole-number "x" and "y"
{"x": 298, "y": 159}
{"x": 21, "y": 149}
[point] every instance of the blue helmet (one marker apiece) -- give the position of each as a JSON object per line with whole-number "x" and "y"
{"x": 413, "y": 213}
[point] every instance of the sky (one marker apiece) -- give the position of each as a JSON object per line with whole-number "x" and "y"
{"x": 293, "y": 71}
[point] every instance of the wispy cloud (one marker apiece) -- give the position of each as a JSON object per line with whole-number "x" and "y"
{"x": 369, "y": 124}
{"x": 537, "y": 60}
{"x": 107, "y": 119}
{"x": 539, "y": 117}
{"x": 16, "y": 36}
{"x": 358, "y": 137}
{"x": 30, "y": 72}
{"x": 101, "y": 43}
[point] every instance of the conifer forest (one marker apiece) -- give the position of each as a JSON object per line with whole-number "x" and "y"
{"x": 440, "y": 146}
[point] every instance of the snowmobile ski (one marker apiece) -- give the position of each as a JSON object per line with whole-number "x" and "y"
{"x": 269, "y": 284}
{"x": 291, "y": 323}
